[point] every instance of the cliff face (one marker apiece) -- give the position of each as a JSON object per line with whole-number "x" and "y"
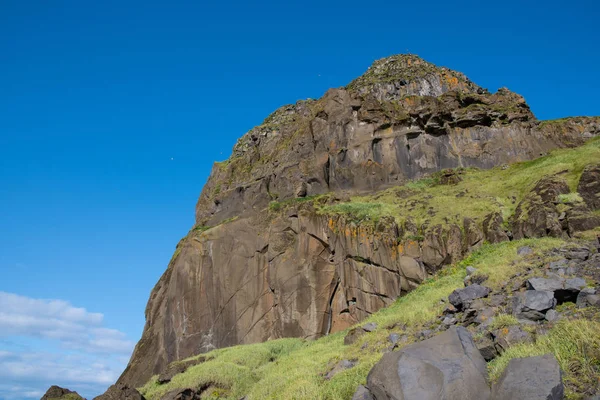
{"x": 248, "y": 272}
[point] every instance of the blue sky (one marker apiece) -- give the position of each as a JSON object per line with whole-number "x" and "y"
{"x": 112, "y": 113}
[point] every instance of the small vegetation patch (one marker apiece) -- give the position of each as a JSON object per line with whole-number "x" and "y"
{"x": 479, "y": 193}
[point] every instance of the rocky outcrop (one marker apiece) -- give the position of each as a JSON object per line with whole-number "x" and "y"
{"x": 58, "y": 393}
{"x": 246, "y": 274}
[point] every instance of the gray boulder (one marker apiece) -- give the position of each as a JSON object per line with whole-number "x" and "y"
{"x": 531, "y": 378}
{"x": 549, "y": 285}
{"x": 445, "y": 367}
{"x": 462, "y": 298}
{"x": 533, "y": 304}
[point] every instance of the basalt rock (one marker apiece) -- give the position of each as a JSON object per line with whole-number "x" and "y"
{"x": 121, "y": 391}
{"x": 247, "y": 272}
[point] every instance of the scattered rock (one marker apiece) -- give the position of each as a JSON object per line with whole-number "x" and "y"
{"x": 544, "y": 284}
{"x": 524, "y": 251}
{"x": 588, "y": 297}
{"x": 507, "y": 337}
{"x": 353, "y": 335}
{"x": 461, "y": 298}
{"x": 445, "y": 367}
{"x": 531, "y": 378}
{"x": 533, "y": 304}
{"x": 370, "y": 327}
{"x": 486, "y": 347}
{"x": 339, "y": 367}
{"x": 471, "y": 270}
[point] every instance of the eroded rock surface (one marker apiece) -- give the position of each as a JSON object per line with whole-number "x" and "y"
{"x": 245, "y": 274}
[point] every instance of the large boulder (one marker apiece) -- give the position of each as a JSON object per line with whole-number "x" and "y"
{"x": 531, "y": 378}
{"x": 445, "y": 367}
{"x": 533, "y": 304}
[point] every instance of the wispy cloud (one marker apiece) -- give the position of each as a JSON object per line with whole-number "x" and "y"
{"x": 72, "y": 348}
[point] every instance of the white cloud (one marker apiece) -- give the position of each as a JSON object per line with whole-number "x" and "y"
{"x": 51, "y": 342}
{"x": 73, "y": 327}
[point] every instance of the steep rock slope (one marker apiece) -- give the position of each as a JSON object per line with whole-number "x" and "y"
{"x": 247, "y": 273}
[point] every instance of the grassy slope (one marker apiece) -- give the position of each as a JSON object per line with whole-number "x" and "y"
{"x": 294, "y": 369}
{"x": 479, "y": 193}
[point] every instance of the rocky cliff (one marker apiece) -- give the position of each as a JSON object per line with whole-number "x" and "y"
{"x": 265, "y": 261}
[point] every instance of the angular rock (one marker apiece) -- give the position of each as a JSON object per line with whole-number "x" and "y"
{"x": 487, "y": 348}
{"x": 507, "y": 337}
{"x": 362, "y": 393}
{"x": 57, "y": 393}
{"x": 370, "y": 327}
{"x": 549, "y": 285}
{"x": 533, "y": 304}
{"x": 445, "y": 367}
{"x": 461, "y": 298}
{"x": 531, "y": 378}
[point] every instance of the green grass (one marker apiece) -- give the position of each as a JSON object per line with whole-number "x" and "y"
{"x": 294, "y": 369}
{"x": 572, "y": 197}
{"x": 503, "y": 321}
{"x": 477, "y": 195}
{"x": 576, "y": 346}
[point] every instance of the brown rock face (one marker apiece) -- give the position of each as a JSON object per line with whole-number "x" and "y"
{"x": 247, "y": 274}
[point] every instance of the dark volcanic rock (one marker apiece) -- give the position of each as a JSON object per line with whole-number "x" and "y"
{"x": 445, "y": 367}
{"x": 246, "y": 273}
{"x": 533, "y": 304}
{"x": 462, "y": 298}
{"x": 531, "y": 378}
{"x": 57, "y": 393}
